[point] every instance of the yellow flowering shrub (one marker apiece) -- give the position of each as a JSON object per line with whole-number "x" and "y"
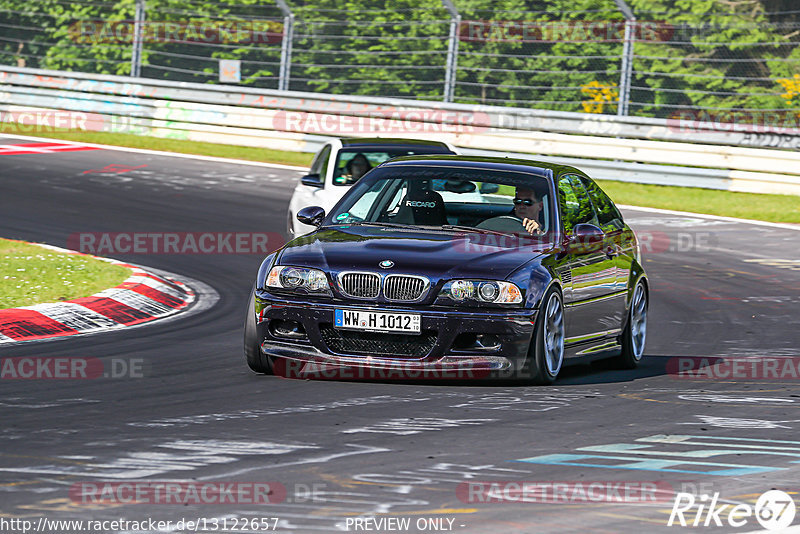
{"x": 599, "y": 95}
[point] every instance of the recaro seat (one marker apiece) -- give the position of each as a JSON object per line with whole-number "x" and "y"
{"x": 421, "y": 206}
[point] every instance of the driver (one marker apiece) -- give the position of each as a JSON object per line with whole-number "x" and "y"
{"x": 528, "y": 208}
{"x": 358, "y": 167}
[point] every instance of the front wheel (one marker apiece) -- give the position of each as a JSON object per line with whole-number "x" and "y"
{"x": 256, "y": 360}
{"x": 546, "y": 354}
{"x": 635, "y": 333}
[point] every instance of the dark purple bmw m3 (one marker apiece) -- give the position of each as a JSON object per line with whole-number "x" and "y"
{"x": 497, "y": 267}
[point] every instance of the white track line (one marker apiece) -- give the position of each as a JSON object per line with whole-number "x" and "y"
{"x": 161, "y": 153}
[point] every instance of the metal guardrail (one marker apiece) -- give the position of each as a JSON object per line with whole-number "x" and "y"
{"x": 618, "y": 148}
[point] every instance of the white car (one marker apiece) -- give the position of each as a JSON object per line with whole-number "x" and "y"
{"x": 340, "y": 164}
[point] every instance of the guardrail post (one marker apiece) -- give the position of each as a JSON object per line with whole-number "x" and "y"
{"x": 452, "y": 51}
{"x": 626, "y": 69}
{"x": 286, "y": 45}
{"x": 136, "y": 51}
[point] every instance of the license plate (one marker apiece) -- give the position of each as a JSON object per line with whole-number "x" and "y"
{"x": 371, "y": 321}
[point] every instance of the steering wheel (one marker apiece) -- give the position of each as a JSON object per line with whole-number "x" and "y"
{"x": 503, "y": 223}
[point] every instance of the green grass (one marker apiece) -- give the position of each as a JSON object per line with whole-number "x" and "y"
{"x": 30, "y": 274}
{"x": 775, "y": 208}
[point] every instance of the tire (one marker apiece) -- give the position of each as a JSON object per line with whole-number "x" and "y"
{"x": 634, "y": 335}
{"x": 546, "y": 353}
{"x": 256, "y": 360}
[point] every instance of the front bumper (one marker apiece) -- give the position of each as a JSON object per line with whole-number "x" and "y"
{"x": 454, "y": 343}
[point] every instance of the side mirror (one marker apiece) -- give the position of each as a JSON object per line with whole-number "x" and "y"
{"x": 311, "y": 215}
{"x": 311, "y": 180}
{"x": 489, "y": 188}
{"x": 586, "y": 238}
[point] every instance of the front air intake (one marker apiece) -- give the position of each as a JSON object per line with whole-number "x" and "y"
{"x": 360, "y": 285}
{"x": 405, "y": 288}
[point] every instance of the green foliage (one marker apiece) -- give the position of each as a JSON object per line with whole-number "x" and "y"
{"x": 721, "y": 55}
{"x": 560, "y": 46}
{"x": 366, "y": 48}
{"x": 183, "y": 39}
{"x": 551, "y": 54}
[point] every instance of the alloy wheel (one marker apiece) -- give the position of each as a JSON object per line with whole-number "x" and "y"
{"x": 554, "y": 335}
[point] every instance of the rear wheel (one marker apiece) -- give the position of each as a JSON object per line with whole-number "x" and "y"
{"x": 256, "y": 360}
{"x": 635, "y": 333}
{"x": 546, "y": 354}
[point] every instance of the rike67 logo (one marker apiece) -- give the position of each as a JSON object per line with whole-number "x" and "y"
{"x": 774, "y": 510}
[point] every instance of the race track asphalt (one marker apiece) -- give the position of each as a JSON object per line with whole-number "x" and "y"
{"x": 385, "y": 450}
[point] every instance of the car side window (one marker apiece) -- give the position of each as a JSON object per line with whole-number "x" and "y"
{"x": 320, "y": 163}
{"x": 608, "y": 215}
{"x": 574, "y": 203}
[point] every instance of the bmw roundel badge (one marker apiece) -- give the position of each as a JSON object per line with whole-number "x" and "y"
{"x": 386, "y": 264}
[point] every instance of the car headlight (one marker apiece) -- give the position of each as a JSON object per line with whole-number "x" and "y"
{"x": 300, "y": 279}
{"x": 485, "y": 291}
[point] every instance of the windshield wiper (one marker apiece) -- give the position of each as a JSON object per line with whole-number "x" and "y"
{"x": 472, "y": 229}
{"x": 427, "y": 227}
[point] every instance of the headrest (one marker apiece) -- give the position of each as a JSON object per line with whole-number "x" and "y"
{"x": 423, "y": 200}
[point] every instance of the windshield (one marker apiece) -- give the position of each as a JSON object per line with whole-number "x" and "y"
{"x": 487, "y": 201}
{"x": 353, "y": 163}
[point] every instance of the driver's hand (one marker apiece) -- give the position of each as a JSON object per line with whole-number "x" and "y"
{"x": 532, "y": 226}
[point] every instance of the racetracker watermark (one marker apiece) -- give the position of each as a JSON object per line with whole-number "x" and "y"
{"x": 175, "y": 242}
{"x": 71, "y": 368}
{"x": 745, "y": 368}
{"x": 187, "y": 31}
{"x": 389, "y": 121}
{"x": 729, "y": 121}
{"x": 774, "y": 510}
{"x": 488, "y": 243}
{"x": 178, "y": 493}
{"x": 32, "y": 121}
{"x": 654, "y": 242}
{"x": 376, "y": 371}
{"x": 193, "y": 524}
{"x": 569, "y": 31}
{"x": 565, "y": 492}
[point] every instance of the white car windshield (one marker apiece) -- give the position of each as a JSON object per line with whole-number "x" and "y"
{"x": 353, "y": 163}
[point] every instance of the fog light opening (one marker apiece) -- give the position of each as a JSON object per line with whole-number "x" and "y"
{"x": 472, "y": 342}
{"x": 287, "y": 329}
{"x": 487, "y": 341}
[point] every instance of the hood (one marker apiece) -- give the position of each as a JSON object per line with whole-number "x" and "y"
{"x": 435, "y": 254}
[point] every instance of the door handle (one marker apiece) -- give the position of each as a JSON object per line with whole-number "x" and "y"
{"x": 612, "y": 252}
